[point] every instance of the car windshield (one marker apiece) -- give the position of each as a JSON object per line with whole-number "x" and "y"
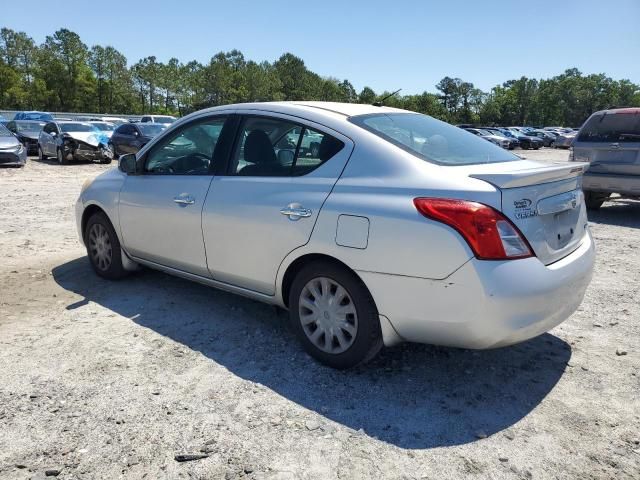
{"x": 77, "y": 127}
{"x": 432, "y": 140}
{"x": 29, "y": 127}
{"x": 151, "y": 129}
{"x": 37, "y": 116}
{"x": 612, "y": 127}
{"x": 105, "y": 127}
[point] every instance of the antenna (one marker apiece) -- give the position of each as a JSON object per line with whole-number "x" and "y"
{"x": 379, "y": 103}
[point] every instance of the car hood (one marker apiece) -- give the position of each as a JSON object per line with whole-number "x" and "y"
{"x": 90, "y": 138}
{"x": 8, "y": 142}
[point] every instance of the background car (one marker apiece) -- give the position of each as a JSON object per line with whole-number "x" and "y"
{"x": 372, "y": 242}
{"x": 68, "y": 141}
{"x": 610, "y": 141}
{"x": 501, "y": 141}
{"x": 27, "y": 131}
{"x": 114, "y": 120}
{"x": 131, "y": 137}
{"x": 526, "y": 142}
{"x": 513, "y": 141}
{"x": 34, "y": 115}
{"x": 564, "y": 140}
{"x": 167, "y": 119}
{"x": 546, "y": 137}
{"x": 12, "y": 151}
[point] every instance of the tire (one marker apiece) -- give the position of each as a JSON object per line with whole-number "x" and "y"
{"x": 112, "y": 147}
{"x": 62, "y": 159}
{"x": 594, "y": 200}
{"x": 314, "y": 150}
{"x": 41, "y": 156}
{"x": 358, "y": 343}
{"x": 103, "y": 248}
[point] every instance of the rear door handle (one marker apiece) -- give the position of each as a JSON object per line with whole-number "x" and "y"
{"x": 184, "y": 199}
{"x": 296, "y": 212}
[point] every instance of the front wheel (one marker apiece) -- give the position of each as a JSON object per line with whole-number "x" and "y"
{"x": 103, "y": 248}
{"x": 62, "y": 158}
{"x": 334, "y": 315}
{"x": 41, "y": 155}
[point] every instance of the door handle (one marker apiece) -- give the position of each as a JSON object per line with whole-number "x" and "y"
{"x": 184, "y": 200}
{"x": 296, "y": 212}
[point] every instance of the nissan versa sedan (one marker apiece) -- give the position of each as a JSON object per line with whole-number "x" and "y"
{"x": 398, "y": 228}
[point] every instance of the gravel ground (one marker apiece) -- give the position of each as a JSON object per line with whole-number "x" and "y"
{"x": 113, "y": 380}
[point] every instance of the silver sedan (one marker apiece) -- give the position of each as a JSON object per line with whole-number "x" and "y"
{"x": 397, "y": 227}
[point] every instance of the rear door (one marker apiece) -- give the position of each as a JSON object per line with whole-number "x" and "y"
{"x": 610, "y": 141}
{"x": 544, "y": 201}
{"x": 267, "y": 204}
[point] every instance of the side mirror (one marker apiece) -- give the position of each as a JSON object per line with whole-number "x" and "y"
{"x": 127, "y": 164}
{"x": 53, "y": 134}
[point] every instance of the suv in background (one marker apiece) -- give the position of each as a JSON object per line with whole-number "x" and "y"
{"x": 167, "y": 119}
{"x": 43, "y": 116}
{"x": 610, "y": 141}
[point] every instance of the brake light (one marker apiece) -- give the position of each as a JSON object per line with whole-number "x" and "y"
{"x": 488, "y": 232}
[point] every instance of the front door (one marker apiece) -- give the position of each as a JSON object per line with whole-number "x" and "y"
{"x": 279, "y": 175}
{"x": 161, "y": 208}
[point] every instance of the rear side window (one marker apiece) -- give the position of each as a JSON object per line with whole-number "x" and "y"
{"x": 612, "y": 127}
{"x": 432, "y": 140}
{"x": 272, "y": 147}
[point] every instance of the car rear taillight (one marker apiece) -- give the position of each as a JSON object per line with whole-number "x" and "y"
{"x": 488, "y": 232}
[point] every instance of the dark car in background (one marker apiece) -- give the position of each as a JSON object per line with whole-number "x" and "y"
{"x": 34, "y": 115}
{"x": 526, "y": 142}
{"x": 12, "y": 152}
{"x": 546, "y": 137}
{"x": 27, "y": 132}
{"x": 167, "y": 119}
{"x": 131, "y": 137}
{"x": 610, "y": 141}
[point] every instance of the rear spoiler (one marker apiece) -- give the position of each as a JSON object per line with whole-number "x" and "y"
{"x": 534, "y": 176}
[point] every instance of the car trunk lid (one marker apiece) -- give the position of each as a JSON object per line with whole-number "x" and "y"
{"x": 545, "y": 201}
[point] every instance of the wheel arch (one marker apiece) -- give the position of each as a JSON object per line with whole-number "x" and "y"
{"x": 300, "y": 262}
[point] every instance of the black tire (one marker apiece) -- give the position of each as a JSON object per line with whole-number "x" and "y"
{"x": 114, "y": 269}
{"x": 366, "y": 342}
{"x": 594, "y": 200}
{"x": 112, "y": 147}
{"x": 62, "y": 158}
{"x": 41, "y": 156}
{"x": 314, "y": 150}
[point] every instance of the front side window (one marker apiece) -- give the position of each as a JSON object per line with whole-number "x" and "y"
{"x": 187, "y": 151}
{"x": 432, "y": 140}
{"x": 270, "y": 147}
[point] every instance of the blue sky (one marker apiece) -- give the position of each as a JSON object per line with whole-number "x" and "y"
{"x": 382, "y": 44}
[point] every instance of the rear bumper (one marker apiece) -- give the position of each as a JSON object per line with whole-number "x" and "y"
{"x": 624, "y": 184}
{"x": 485, "y": 304}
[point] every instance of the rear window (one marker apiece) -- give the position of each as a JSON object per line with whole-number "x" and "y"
{"x": 611, "y": 127}
{"x": 432, "y": 140}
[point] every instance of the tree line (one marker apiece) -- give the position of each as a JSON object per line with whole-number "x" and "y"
{"x": 64, "y": 74}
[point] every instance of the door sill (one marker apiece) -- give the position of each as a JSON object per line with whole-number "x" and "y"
{"x": 261, "y": 297}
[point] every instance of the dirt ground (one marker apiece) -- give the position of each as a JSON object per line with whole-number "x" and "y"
{"x": 113, "y": 380}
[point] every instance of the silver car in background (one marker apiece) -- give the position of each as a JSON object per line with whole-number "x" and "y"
{"x": 12, "y": 151}
{"x": 610, "y": 141}
{"x": 398, "y": 227}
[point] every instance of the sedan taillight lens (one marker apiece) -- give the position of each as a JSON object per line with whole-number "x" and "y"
{"x": 488, "y": 232}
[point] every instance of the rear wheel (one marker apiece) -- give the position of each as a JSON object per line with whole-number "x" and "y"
{"x": 594, "y": 200}
{"x": 334, "y": 315}
{"x": 103, "y": 248}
